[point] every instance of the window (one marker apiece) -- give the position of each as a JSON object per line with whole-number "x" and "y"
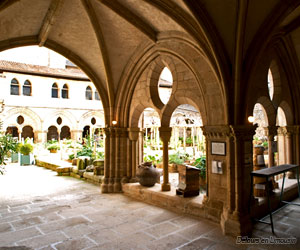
{"x": 65, "y": 92}
{"x": 54, "y": 92}
{"x": 88, "y": 93}
{"x": 97, "y": 97}
{"x": 27, "y": 88}
{"x": 14, "y": 87}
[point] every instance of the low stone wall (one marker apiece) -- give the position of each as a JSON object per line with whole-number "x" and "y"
{"x": 70, "y": 171}
{"x": 169, "y": 200}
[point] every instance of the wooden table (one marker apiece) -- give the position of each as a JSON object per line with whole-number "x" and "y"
{"x": 267, "y": 173}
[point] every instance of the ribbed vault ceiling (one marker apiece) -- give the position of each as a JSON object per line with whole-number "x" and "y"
{"x": 106, "y": 34}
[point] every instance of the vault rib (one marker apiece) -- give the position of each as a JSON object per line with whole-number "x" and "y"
{"x": 49, "y": 20}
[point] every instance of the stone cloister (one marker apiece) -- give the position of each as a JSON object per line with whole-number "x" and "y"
{"x": 219, "y": 54}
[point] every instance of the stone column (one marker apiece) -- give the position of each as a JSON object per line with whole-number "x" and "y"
{"x": 20, "y": 134}
{"x": 238, "y": 222}
{"x": 296, "y": 144}
{"x": 76, "y": 135}
{"x": 165, "y": 134}
{"x": 128, "y": 176}
{"x": 118, "y": 150}
{"x": 134, "y": 136}
{"x": 112, "y": 157}
{"x": 104, "y": 186}
{"x": 270, "y": 132}
{"x": 289, "y": 131}
{"x": 281, "y": 145}
{"x": 141, "y": 146}
{"x": 124, "y": 156}
{"x": 39, "y": 136}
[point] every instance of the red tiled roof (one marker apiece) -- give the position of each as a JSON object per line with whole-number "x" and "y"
{"x": 70, "y": 73}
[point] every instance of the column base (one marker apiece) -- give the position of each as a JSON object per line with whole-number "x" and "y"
{"x": 133, "y": 180}
{"x": 125, "y": 180}
{"x": 165, "y": 187}
{"x": 111, "y": 185}
{"x": 236, "y": 225}
{"x": 117, "y": 186}
{"x": 104, "y": 188}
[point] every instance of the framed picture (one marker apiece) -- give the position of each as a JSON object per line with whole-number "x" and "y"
{"x": 218, "y": 148}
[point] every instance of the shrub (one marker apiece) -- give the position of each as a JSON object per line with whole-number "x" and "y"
{"x": 26, "y": 149}
{"x": 178, "y": 158}
{"x": 53, "y": 146}
{"x": 200, "y": 163}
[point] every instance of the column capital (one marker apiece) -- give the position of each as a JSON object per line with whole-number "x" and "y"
{"x": 107, "y": 131}
{"x": 134, "y": 133}
{"x": 293, "y": 129}
{"x": 215, "y": 132}
{"x": 243, "y": 131}
{"x": 288, "y": 130}
{"x": 165, "y": 133}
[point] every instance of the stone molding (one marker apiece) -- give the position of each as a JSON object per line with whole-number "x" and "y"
{"x": 133, "y": 133}
{"x": 216, "y": 132}
{"x": 165, "y": 133}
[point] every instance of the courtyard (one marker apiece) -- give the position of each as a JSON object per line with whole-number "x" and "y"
{"x": 40, "y": 210}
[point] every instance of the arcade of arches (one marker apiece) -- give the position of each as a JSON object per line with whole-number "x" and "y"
{"x": 219, "y": 53}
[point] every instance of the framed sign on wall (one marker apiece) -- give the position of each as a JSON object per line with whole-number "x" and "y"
{"x": 218, "y": 148}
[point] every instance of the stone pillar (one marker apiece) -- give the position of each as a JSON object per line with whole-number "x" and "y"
{"x": 124, "y": 156}
{"x": 165, "y": 134}
{"x": 129, "y": 161}
{"x": 270, "y": 132}
{"x": 112, "y": 156}
{"x": 141, "y": 146}
{"x": 134, "y": 136}
{"x": 237, "y": 221}
{"x": 289, "y": 132}
{"x": 76, "y": 135}
{"x": 229, "y": 189}
{"x": 104, "y": 186}
{"x": 281, "y": 145}
{"x": 20, "y": 134}
{"x": 118, "y": 150}
{"x": 296, "y": 144}
{"x": 58, "y": 134}
{"x": 39, "y": 136}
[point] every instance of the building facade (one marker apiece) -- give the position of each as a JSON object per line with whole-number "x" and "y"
{"x": 46, "y": 103}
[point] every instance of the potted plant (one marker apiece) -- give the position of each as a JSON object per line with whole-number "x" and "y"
{"x": 200, "y": 163}
{"x": 15, "y": 153}
{"x": 26, "y": 150}
{"x": 53, "y": 148}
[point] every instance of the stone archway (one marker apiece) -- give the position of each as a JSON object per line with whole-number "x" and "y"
{"x": 52, "y": 133}
{"x": 27, "y": 132}
{"x": 65, "y": 133}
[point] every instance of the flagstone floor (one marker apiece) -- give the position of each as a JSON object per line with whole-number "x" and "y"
{"x": 40, "y": 210}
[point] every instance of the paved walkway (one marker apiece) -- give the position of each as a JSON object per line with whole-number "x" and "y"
{"x": 39, "y": 210}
